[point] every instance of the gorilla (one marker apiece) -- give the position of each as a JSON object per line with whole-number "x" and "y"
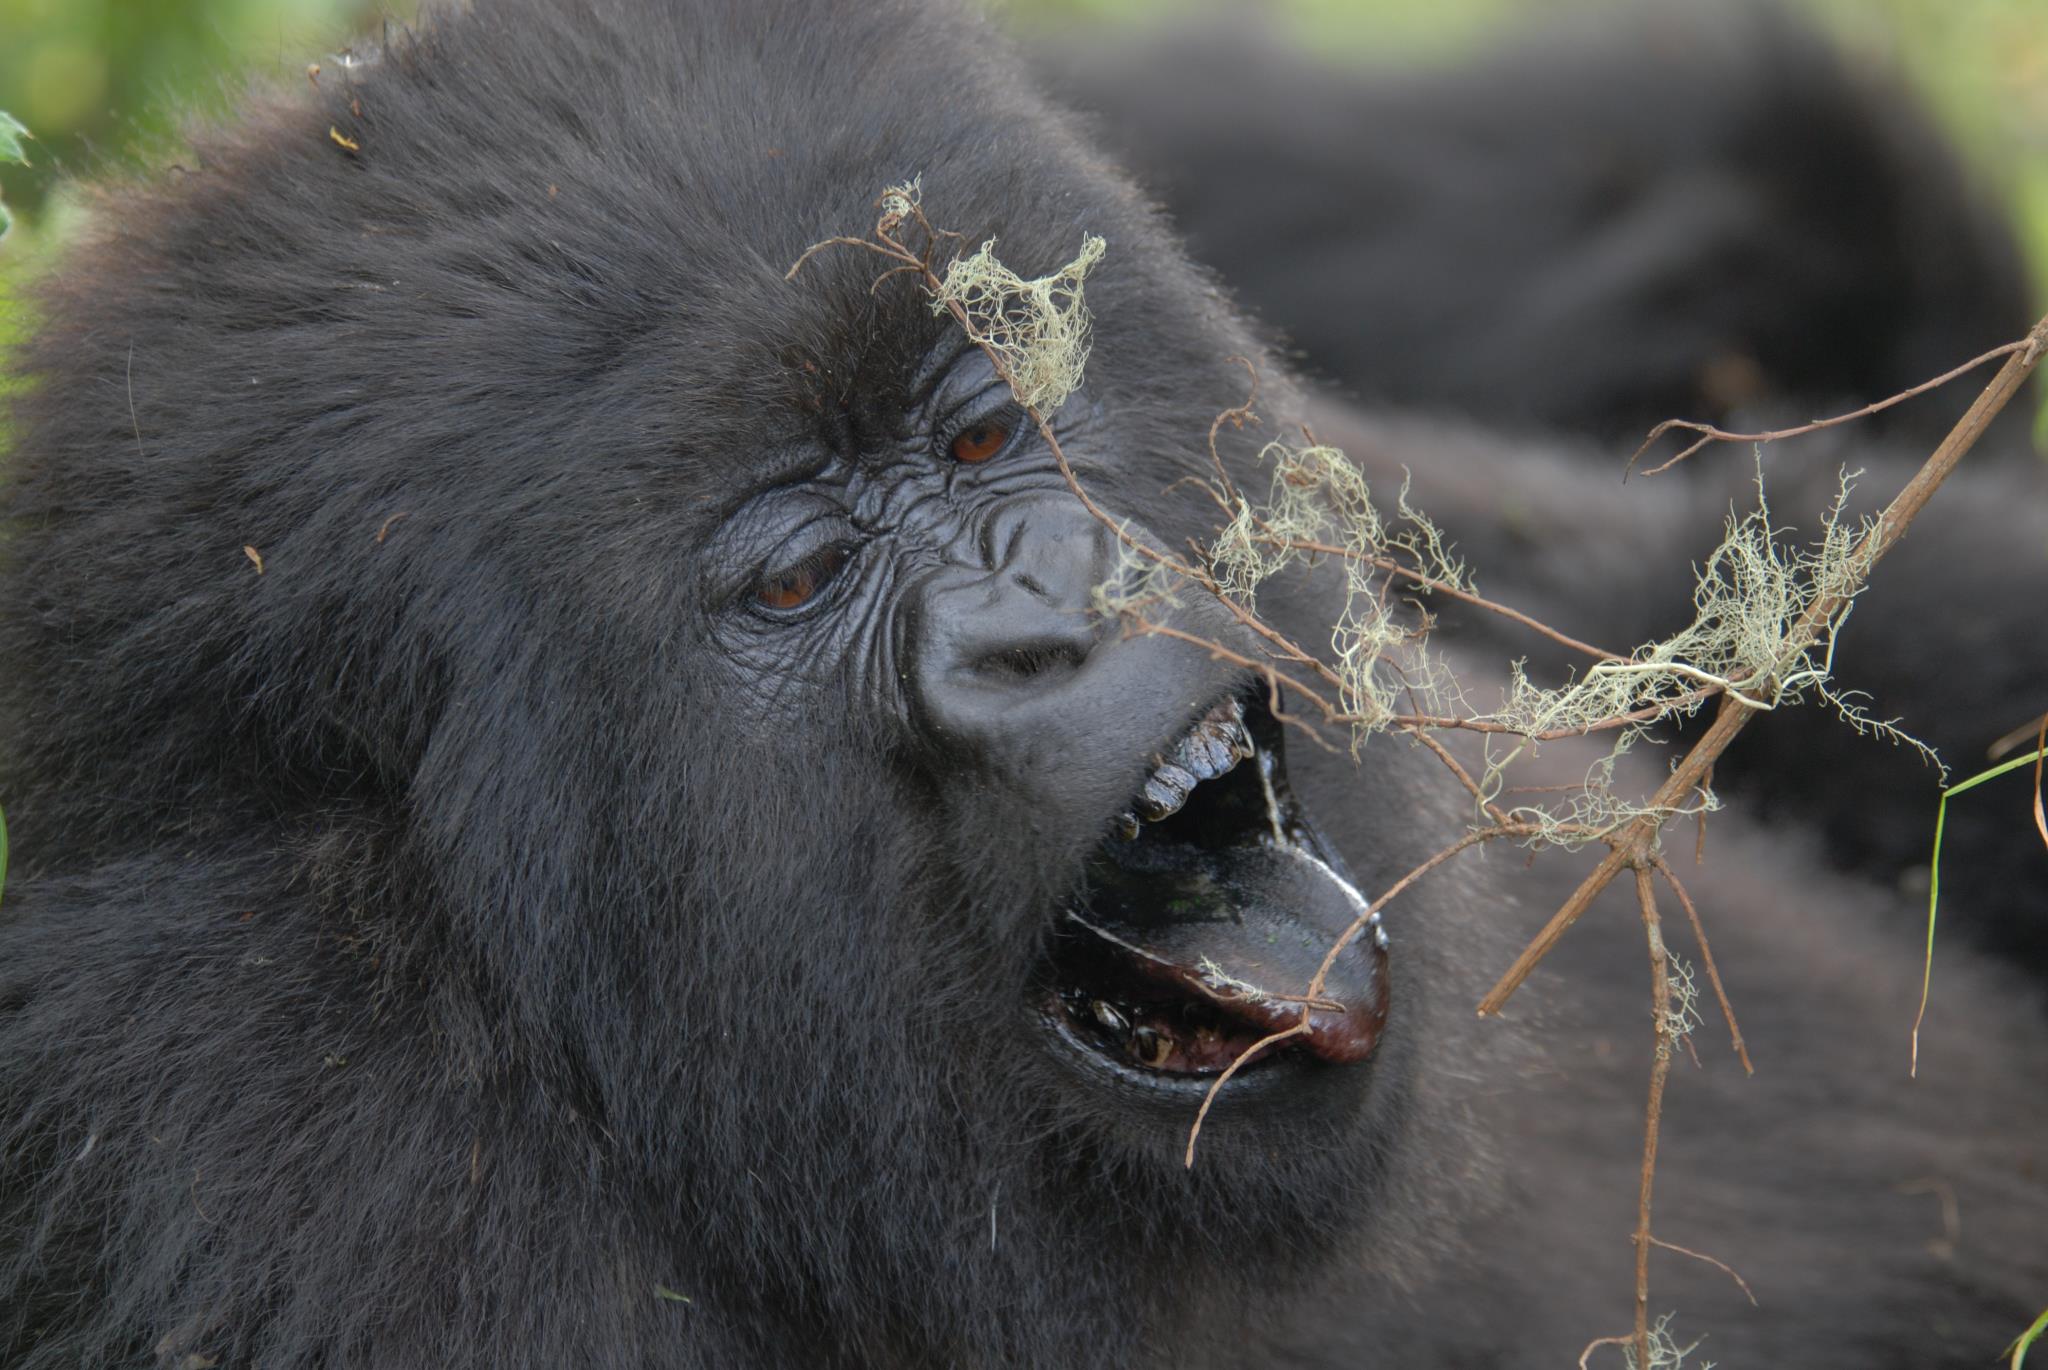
{"x": 570, "y": 806}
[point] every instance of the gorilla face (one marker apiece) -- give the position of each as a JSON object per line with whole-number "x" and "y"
{"x": 652, "y": 709}
{"x": 1140, "y": 897}
{"x": 938, "y": 583}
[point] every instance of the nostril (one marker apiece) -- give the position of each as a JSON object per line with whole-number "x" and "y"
{"x": 1030, "y": 661}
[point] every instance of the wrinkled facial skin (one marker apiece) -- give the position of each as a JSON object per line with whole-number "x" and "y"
{"x": 708, "y": 837}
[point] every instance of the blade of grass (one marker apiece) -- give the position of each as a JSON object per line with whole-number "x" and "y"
{"x": 2027, "y": 1339}
{"x": 2032, "y": 758}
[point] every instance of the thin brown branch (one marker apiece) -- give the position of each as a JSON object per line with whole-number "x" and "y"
{"x": 1449, "y": 591}
{"x": 1358, "y": 924}
{"x": 1997, "y": 751}
{"x": 1710, "y": 434}
{"x": 1237, "y": 418}
{"x": 1722, "y": 1266}
{"x": 1297, "y": 1029}
{"x": 1314, "y": 992}
{"x": 1653, "y": 1111}
{"x": 1463, "y": 776}
{"x": 1586, "y": 1356}
{"x": 1632, "y": 844}
{"x": 1699, "y": 933}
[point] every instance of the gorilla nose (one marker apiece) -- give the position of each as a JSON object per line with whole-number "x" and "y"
{"x": 1020, "y": 621}
{"x": 1008, "y": 658}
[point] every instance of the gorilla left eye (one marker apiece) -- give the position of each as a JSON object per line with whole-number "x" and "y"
{"x": 977, "y": 444}
{"x": 799, "y": 584}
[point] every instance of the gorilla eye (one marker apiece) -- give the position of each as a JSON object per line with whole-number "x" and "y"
{"x": 796, "y": 586}
{"x": 982, "y": 441}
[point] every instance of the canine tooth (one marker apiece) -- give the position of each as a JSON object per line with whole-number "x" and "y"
{"x": 1239, "y": 739}
{"x": 1150, "y": 1047}
{"x": 1124, "y": 825}
{"x": 1105, "y": 1013}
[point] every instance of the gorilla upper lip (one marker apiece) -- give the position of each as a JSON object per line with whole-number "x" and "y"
{"x": 1204, "y": 926}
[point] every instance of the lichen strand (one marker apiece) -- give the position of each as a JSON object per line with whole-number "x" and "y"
{"x": 1317, "y": 500}
{"x": 1748, "y": 598}
{"x": 1036, "y": 329}
{"x": 1665, "y": 1352}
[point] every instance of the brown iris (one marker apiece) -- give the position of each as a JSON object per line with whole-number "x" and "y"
{"x": 979, "y": 443}
{"x": 792, "y": 588}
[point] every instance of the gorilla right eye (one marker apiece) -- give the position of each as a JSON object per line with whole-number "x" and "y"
{"x": 796, "y": 586}
{"x": 977, "y": 444}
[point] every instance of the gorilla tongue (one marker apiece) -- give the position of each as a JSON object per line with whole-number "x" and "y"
{"x": 1209, "y": 951}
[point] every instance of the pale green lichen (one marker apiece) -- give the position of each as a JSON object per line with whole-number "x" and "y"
{"x": 1318, "y": 504}
{"x": 1035, "y": 329}
{"x": 1748, "y": 601}
{"x": 900, "y": 202}
{"x": 1593, "y": 809}
{"x": 1665, "y": 1352}
{"x": 1681, "y": 1014}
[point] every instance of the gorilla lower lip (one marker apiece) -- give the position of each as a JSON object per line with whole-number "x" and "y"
{"x": 1202, "y": 929}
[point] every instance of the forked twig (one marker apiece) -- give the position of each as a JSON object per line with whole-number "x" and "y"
{"x": 1710, "y": 434}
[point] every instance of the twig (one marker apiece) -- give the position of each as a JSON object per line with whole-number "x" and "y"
{"x": 1721, "y": 1266}
{"x": 1586, "y": 1356}
{"x": 1314, "y": 992}
{"x": 1438, "y": 587}
{"x": 1633, "y": 843}
{"x": 1709, "y": 433}
{"x": 1699, "y": 932}
{"x": 1653, "y": 1112}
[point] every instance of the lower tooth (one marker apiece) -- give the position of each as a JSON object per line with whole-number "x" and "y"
{"x": 1150, "y": 1047}
{"x": 1125, "y": 825}
{"x": 1105, "y": 1013}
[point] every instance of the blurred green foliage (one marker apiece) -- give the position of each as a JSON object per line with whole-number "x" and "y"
{"x": 95, "y": 79}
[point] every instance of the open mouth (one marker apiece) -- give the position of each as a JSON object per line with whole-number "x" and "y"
{"x": 1210, "y": 908}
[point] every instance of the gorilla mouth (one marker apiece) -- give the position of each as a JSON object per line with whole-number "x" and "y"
{"x": 1208, "y": 911}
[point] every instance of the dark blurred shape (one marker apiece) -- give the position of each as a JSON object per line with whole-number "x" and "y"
{"x": 1700, "y": 211}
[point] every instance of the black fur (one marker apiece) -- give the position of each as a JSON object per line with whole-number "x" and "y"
{"x": 1648, "y": 212}
{"x": 452, "y": 926}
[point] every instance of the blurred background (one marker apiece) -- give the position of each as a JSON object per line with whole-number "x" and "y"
{"x": 104, "y": 84}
